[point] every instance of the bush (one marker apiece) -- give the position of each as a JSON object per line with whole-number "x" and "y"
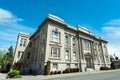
{"x": 13, "y": 73}
{"x": 64, "y": 71}
{"x": 113, "y": 65}
{"x": 55, "y": 72}
{"x": 77, "y": 70}
{"x": 51, "y": 73}
{"x": 47, "y": 68}
{"x": 59, "y": 72}
{"x": 68, "y": 70}
{"x": 105, "y": 68}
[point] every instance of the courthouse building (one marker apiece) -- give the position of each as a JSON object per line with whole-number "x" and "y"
{"x": 65, "y": 46}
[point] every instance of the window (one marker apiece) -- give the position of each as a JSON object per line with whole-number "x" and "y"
{"x": 67, "y": 65}
{"x": 55, "y": 36}
{"x": 30, "y": 45}
{"x": 107, "y": 59}
{"x": 41, "y": 55}
{"x": 66, "y": 40}
{"x": 43, "y": 37}
{"x": 23, "y": 42}
{"x": 55, "y": 66}
{"x": 86, "y": 44}
{"x": 28, "y": 57}
{"x": 55, "y": 52}
{"x": 66, "y": 54}
{"x": 20, "y": 54}
{"x": 73, "y": 41}
{"x": 74, "y": 55}
{"x": 76, "y": 65}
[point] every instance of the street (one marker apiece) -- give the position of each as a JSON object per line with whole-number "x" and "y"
{"x": 95, "y": 75}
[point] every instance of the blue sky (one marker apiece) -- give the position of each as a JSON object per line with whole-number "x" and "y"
{"x": 100, "y": 16}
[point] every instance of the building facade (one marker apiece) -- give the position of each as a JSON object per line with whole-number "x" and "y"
{"x": 64, "y": 46}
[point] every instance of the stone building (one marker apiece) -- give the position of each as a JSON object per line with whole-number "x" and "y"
{"x": 62, "y": 44}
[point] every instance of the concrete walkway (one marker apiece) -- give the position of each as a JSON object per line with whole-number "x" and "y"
{"x": 45, "y": 77}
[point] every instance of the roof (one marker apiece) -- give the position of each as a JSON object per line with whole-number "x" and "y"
{"x": 77, "y": 28}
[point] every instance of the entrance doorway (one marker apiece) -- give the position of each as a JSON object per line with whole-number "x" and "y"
{"x": 88, "y": 60}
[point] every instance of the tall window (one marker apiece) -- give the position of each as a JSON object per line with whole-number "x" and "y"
{"x": 55, "y": 66}
{"x": 74, "y": 55}
{"x": 76, "y": 65}
{"x": 55, "y": 36}
{"x": 55, "y": 52}
{"x": 23, "y": 42}
{"x": 20, "y": 53}
{"x": 86, "y": 44}
{"x": 30, "y": 44}
{"x": 73, "y": 41}
{"x": 28, "y": 56}
{"x": 67, "y": 56}
{"x": 66, "y": 40}
{"x": 67, "y": 65}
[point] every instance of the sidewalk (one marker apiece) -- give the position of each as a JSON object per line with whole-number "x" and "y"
{"x": 44, "y": 77}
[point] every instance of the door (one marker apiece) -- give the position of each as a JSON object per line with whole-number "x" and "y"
{"x": 88, "y": 62}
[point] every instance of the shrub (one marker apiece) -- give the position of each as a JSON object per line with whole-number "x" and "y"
{"x": 64, "y": 71}
{"x": 112, "y": 65}
{"x": 105, "y": 68}
{"x": 77, "y": 69}
{"x": 13, "y": 73}
{"x": 55, "y": 72}
{"x": 71, "y": 69}
{"x": 47, "y": 68}
{"x": 68, "y": 70}
{"x": 51, "y": 73}
{"x": 59, "y": 72}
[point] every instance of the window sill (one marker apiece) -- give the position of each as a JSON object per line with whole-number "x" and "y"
{"x": 67, "y": 60}
{"x": 75, "y": 60}
{"x": 56, "y": 42}
{"x": 55, "y": 58}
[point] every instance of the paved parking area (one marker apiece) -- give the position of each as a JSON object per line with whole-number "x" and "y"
{"x": 69, "y": 76}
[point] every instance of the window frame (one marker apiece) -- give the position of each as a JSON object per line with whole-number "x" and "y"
{"x": 23, "y": 42}
{"x": 74, "y": 56}
{"x": 68, "y": 54}
{"x": 66, "y": 40}
{"x": 73, "y": 41}
{"x": 55, "y": 50}
{"x": 55, "y": 36}
{"x": 55, "y": 66}
{"x": 86, "y": 45}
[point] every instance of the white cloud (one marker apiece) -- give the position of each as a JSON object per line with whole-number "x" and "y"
{"x": 112, "y": 33}
{"x": 10, "y": 27}
{"x": 7, "y": 17}
{"x": 115, "y": 22}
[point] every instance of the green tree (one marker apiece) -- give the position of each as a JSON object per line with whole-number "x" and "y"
{"x": 1, "y": 59}
{"x": 2, "y": 52}
{"x": 116, "y": 58}
{"x": 8, "y": 57}
{"x": 113, "y": 65}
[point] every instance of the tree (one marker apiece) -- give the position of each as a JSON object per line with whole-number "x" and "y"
{"x": 116, "y": 58}
{"x": 113, "y": 65}
{"x": 111, "y": 58}
{"x": 7, "y": 60}
{"x": 8, "y": 57}
{"x": 47, "y": 68}
{"x": 10, "y": 52}
{"x": 2, "y": 52}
